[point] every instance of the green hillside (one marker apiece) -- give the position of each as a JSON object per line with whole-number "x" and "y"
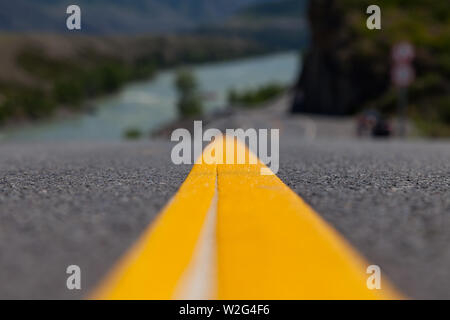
{"x": 355, "y": 62}
{"x": 43, "y": 74}
{"x": 426, "y": 24}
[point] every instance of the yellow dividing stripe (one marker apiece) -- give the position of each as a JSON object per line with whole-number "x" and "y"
{"x": 154, "y": 266}
{"x": 270, "y": 243}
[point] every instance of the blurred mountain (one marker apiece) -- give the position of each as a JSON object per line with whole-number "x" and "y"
{"x": 277, "y": 24}
{"x": 118, "y": 16}
{"x": 278, "y": 9}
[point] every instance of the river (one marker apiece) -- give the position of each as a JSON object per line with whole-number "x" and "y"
{"x": 150, "y": 104}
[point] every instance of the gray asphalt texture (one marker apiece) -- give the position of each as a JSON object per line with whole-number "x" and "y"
{"x": 86, "y": 203}
{"x": 390, "y": 200}
{"x": 77, "y": 204}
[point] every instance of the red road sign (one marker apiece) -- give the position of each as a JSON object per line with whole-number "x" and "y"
{"x": 403, "y": 75}
{"x": 403, "y": 52}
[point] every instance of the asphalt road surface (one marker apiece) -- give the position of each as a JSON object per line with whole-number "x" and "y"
{"x": 86, "y": 203}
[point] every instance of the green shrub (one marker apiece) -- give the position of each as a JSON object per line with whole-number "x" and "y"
{"x": 254, "y": 97}
{"x": 68, "y": 91}
{"x": 189, "y": 102}
{"x": 132, "y": 134}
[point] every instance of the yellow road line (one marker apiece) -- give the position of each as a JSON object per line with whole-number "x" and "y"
{"x": 273, "y": 246}
{"x": 154, "y": 267}
{"x": 269, "y": 243}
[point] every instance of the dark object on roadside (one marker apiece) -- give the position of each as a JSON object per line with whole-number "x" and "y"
{"x": 372, "y": 123}
{"x": 382, "y": 129}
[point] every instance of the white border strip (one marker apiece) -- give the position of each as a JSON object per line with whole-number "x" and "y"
{"x": 200, "y": 279}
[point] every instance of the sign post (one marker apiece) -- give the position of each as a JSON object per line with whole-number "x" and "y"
{"x": 403, "y": 75}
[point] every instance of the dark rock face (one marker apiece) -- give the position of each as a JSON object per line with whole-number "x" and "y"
{"x": 334, "y": 80}
{"x": 317, "y": 90}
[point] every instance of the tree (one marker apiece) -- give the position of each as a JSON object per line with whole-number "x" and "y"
{"x": 189, "y": 102}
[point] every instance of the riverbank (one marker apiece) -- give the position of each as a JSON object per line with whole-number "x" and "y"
{"x": 151, "y": 104}
{"x": 49, "y": 74}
